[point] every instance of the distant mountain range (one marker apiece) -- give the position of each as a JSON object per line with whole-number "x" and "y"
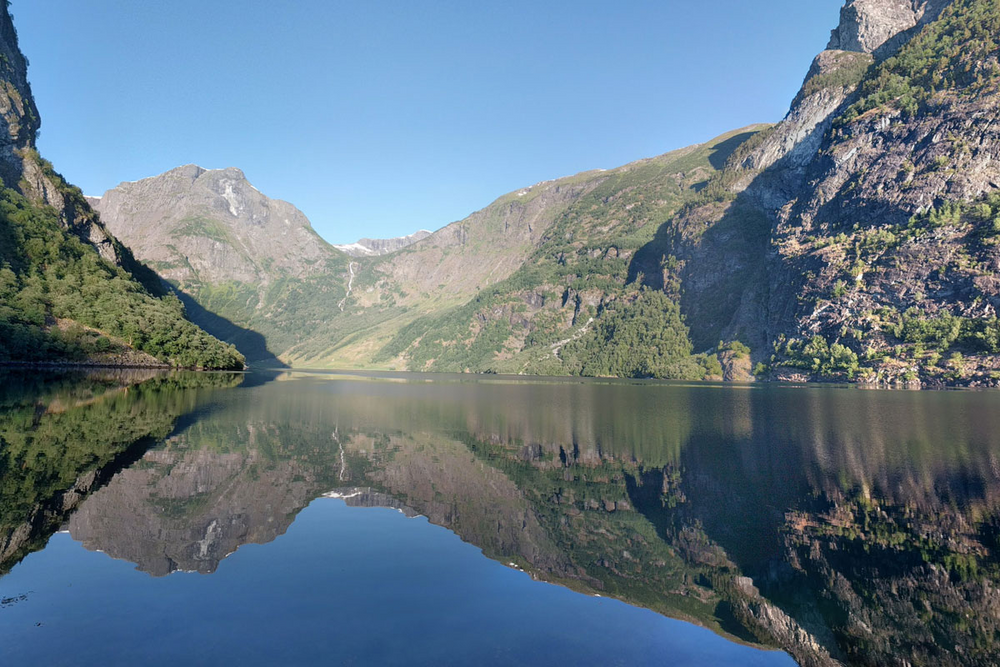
{"x": 223, "y": 245}
{"x": 370, "y": 247}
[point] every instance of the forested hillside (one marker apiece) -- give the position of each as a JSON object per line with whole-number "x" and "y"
{"x": 69, "y": 291}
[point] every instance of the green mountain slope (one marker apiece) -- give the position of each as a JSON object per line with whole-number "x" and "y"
{"x": 69, "y": 291}
{"x": 248, "y": 266}
{"x": 548, "y": 316}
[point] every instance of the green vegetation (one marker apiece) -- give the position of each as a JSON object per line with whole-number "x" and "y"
{"x": 944, "y": 331}
{"x": 850, "y": 69}
{"x": 643, "y": 339}
{"x": 983, "y": 215}
{"x": 549, "y": 316}
{"x": 288, "y": 312}
{"x": 202, "y": 226}
{"x": 820, "y": 358}
{"x": 956, "y": 53}
{"x": 47, "y": 273}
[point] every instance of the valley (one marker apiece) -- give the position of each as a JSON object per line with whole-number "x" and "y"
{"x": 773, "y": 252}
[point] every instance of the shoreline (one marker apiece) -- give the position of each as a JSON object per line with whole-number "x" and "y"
{"x": 84, "y": 365}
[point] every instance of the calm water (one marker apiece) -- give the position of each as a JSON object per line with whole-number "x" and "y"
{"x": 332, "y": 519}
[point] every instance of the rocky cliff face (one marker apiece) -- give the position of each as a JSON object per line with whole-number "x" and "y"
{"x": 869, "y": 207}
{"x": 375, "y": 247}
{"x": 20, "y": 165}
{"x": 869, "y": 30}
{"x": 19, "y": 119}
{"x": 881, "y": 26}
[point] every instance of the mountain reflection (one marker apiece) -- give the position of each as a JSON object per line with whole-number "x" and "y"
{"x": 63, "y": 436}
{"x": 843, "y": 526}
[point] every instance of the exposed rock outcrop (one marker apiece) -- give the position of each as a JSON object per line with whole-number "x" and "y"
{"x": 881, "y": 26}
{"x": 19, "y": 119}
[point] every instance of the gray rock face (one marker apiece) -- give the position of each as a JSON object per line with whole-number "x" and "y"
{"x": 882, "y": 26}
{"x": 798, "y": 136}
{"x": 19, "y": 119}
{"x": 376, "y": 247}
{"x": 822, "y": 193}
{"x": 873, "y": 27}
{"x": 193, "y": 224}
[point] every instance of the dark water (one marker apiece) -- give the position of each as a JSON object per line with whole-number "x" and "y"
{"x": 324, "y": 519}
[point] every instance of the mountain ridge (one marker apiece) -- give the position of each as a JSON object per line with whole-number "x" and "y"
{"x": 388, "y": 291}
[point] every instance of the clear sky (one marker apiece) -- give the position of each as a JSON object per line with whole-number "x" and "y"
{"x": 381, "y": 117}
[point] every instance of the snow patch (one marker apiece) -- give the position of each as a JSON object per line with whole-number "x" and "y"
{"x": 341, "y": 496}
{"x": 357, "y": 247}
{"x": 229, "y": 194}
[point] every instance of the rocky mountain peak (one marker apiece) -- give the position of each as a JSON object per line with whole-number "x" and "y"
{"x": 192, "y": 223}
{"x": 880, "y": 27}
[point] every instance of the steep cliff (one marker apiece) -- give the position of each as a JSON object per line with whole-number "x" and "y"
{"x": 882, "y": 26}
{"x": 69, "y": 291}
{"x": 866, "y": 216}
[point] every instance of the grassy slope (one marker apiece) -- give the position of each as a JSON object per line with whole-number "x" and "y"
{"x": 580, "y": 269}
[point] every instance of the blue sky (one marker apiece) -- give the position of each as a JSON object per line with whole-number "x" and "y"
{"x": 380, "y": 117}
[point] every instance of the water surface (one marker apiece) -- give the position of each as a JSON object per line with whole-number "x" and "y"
{"x": 318, "y": 518}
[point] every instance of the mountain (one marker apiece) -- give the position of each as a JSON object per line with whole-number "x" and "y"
{"x": 69, "y": 291}
{"x": 368, "y": 247}
{"x": 244, "y": 264}
{"x": 218, "y": 227}
{"x": 875, "y": 257}
{"x": 345, "y": 311}
{"x": 854, "y": 240}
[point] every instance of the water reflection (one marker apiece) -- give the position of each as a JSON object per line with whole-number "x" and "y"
{"x": 64, "y": 435}
{"x": 842, "y": 526}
